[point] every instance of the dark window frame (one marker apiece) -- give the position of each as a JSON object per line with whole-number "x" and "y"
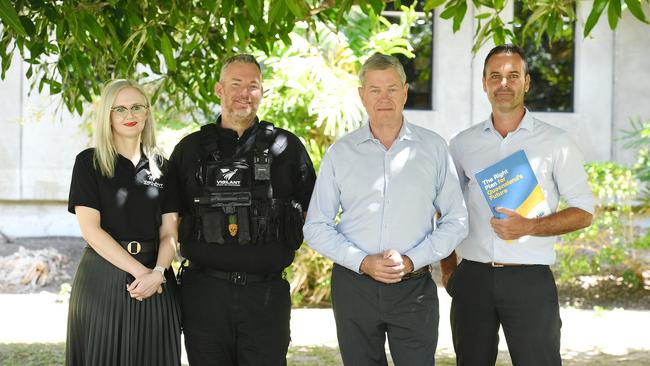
{"x": 536, "y": 104}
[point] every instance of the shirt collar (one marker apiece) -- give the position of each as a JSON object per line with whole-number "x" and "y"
{"x": 406, "y": 132}
{"x": 143, "y": 159}
{"x": 527, "y": 123}
{"x": 233, "y": 133}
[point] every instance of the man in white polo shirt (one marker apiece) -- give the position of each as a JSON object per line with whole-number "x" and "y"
{"x": 504, "y": 277}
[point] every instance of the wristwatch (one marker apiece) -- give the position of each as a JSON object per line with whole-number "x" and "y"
{"x": 161, "y": 269}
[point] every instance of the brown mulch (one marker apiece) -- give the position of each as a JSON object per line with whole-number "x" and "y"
{"x": 69, "y": 247}
{"x": 607, "y": 292}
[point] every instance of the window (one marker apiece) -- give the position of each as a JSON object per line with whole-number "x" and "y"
{"x": 418, "y": 69}
{"x": 551, "y": 68}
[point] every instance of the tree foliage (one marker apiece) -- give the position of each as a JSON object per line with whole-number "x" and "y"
{"x": 73, "y": 46}
{"x": 548, "y": 17}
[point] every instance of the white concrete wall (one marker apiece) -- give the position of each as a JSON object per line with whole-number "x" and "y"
{"x": 11, "y": 137}
{"x": 612, "y": 84}
{"x": 631, "y": 89}
{"x": 39, "y": 142}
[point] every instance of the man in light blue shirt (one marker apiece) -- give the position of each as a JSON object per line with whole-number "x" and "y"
{"x": 389, "y": 178}
{"x": 504, "y": 278}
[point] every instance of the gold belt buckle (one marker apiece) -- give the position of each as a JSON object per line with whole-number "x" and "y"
{"x": 497, "y": 265}
{"x": 131, "y": 245}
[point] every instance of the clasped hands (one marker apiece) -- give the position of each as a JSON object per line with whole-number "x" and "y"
{"x": 387, "y": 267}
{"x": 145, "y": 285}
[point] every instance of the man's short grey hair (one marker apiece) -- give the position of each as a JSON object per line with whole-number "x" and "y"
{"x": 241, "y": 57}
{"x": 380, "y": 61}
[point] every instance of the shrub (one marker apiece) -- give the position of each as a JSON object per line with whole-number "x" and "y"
{"x": 612, "y": 243}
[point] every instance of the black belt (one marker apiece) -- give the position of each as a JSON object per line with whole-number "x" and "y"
{"x": 238, "y": 278}
{"x": 417, "y": 274}
{"x": 137, "y": 247}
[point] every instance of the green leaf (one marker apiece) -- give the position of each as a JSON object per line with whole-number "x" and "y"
{"x": 297, "y": 8}
{"x": 344, "y": 7}
{"x": 432, "y": 4}
{"x": 254, "y": 8}
{"x": 28, "y": 25}
{"x": 617, "y": 7}
{"x": 210, "y": 5}
{"x": 458, "y": 17}
{"x": 90, "y": 23}
{"x": 9, "y": 16}
{"x": 594, "y": 15}
{"x": 483, "y": 16}
{"x": 377, "y": 6}
{"x": 636, "y": 10}
{"x": 539, "y": 12}
{"x": 276, "y": 12}
{"x": 449, "y": 12}
{"x": 168, "y": 52}
{"x": 613, "y": 13}
{"x": 226, "y": 7}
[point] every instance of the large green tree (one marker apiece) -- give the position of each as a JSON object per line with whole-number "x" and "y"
{"x": 73, "y": 46}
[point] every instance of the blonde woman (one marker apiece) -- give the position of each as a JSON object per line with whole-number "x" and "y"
{"x": 123, "y": 308}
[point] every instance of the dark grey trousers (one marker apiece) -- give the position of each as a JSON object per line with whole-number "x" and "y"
{"x": 366, "y": 311}
{"x": 521, "y": 299}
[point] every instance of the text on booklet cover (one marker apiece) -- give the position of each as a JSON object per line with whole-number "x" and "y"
{"x": 511, "y": 183}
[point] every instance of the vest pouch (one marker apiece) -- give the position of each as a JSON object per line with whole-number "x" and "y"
{"x": 212, "y": 226}
{"x": 292, "y": 223}
{"x": 260, "y": 222}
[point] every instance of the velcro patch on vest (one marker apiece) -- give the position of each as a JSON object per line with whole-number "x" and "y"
{"x": 228, "y": 177}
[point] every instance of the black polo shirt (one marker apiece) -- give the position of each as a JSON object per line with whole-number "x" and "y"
{"x": 130, "y": 203}
{"x": 292, "y": 177}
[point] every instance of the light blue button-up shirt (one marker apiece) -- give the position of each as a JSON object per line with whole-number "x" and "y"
{"x": 388, "y": 199}
{"x": 558, "y": 165}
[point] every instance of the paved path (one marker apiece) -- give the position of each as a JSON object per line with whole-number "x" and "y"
{"x": 39, "y": 318}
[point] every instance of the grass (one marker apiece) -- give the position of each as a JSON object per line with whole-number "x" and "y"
{"x": 28, "y": 354}
{"x": 51, "y": 354}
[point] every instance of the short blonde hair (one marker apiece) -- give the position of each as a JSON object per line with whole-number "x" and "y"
{"x": 105, "y": 151}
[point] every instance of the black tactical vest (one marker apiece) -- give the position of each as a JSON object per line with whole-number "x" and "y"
{"x": 237, "y": 205}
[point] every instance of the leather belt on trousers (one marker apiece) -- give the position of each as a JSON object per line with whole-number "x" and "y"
{"x": 500, "y": 264}
{"x": 238, "y": 278}
{"x": 417, "y": 274}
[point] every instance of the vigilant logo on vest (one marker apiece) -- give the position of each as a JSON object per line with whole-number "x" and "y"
{"x": 228, "y": 178}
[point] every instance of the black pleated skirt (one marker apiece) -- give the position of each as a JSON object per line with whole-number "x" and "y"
{"x": 107, "y": 327}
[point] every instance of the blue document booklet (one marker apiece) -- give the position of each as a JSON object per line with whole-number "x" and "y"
{"x": 511, "y": 183}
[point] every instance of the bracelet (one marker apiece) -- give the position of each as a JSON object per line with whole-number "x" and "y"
{"x": 161, "y": 269}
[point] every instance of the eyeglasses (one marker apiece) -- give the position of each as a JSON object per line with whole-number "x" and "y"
{"x": 137, "y": 110}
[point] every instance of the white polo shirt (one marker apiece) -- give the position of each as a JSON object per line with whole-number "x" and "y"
{"x": 558, "y": 165}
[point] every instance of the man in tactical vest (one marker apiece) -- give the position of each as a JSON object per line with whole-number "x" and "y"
{"x": 241, "y": 185}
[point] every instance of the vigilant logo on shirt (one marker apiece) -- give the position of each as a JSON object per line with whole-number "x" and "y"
{"x": 151, "y": 181}
{"x": 228, "y": 177}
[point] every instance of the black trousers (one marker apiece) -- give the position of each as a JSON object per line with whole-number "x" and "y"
{"x": 522, "y": 299}
{"x": 229, "y": 324}
{"x": 366, "y": 311}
